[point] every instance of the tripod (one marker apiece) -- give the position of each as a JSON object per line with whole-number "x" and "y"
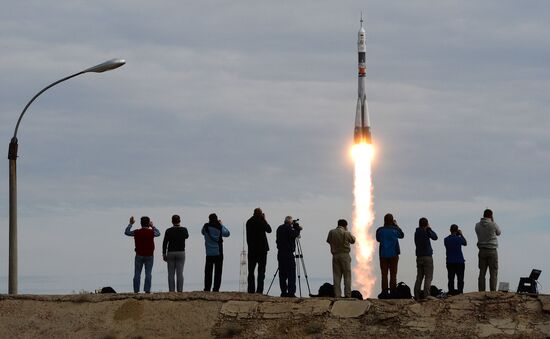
{"x": 299, "y": 257}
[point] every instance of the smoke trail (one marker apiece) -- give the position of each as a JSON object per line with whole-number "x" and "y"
{"x": 363, "y": 218}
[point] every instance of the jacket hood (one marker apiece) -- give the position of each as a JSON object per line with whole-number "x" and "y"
{"x": 485, "y": 222}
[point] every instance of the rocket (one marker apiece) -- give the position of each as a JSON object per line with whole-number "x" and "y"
{"x": 362, "y": 132}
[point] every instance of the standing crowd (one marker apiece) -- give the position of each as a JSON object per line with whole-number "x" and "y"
{"x": 388, "y": 236}
{"x": 339, "y": 239}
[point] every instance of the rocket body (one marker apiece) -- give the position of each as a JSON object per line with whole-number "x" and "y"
{"x": 362, "y": 133}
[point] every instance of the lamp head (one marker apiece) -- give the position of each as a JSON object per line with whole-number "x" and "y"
{"x": 106, "y": 66}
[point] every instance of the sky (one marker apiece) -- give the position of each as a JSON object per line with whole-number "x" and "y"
{"x": 224, "y": 106}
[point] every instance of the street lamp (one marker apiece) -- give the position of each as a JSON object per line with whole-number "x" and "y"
{"x": 12, "y": 156}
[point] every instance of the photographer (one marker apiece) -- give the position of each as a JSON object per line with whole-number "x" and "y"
{"x": 340, "y": 239}
{"x": 286, "y": 245}
{"x": 213, "y": 232}
{"x": 388, "y": 236}
{"x": 487, "y": 232}
{"x": 145, "y": 246}
{"x": 256, "y": 229}
{"x": 455, "y": 260}
{"x": 424, "y": 260}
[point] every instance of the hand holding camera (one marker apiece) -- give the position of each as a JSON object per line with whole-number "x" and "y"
{"x": 395, "y": 224}
{"x": 296, "y": 225}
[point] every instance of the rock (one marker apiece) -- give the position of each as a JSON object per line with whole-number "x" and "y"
{"x": 239, "y": 309}
{"x": 273, "y": 310}
{"x": 532, "y": 305}
{"x": 349, "y": 308}
{"x": 544, "y": 328}
{"x": 545, "y": 301}
{"x": 302, "y": 308}
{"x": 503, "y": 324}
{"x": 422, "y": 324}
{"x": 314, "y": 307}
{"x": 487, "y": 330}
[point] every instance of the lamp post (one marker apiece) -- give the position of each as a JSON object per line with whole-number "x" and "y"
{"x": 12, "y": 156}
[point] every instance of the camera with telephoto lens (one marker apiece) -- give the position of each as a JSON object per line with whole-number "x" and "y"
{"x": 295, "y": 224}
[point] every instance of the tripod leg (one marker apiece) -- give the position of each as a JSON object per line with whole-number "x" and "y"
{"x": 298, "y": 274}
{"x": 303, "y": 265}
{"x": 272, "y": 280}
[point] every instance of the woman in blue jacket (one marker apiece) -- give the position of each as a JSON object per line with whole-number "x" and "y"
{"x": 389, "y": 251}
{"x": 213, "y": 232}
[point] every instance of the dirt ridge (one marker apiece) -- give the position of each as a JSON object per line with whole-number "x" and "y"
{"x": 242, "y": 315}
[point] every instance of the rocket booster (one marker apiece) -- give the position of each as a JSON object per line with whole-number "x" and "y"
{"x": 362, "y": 133}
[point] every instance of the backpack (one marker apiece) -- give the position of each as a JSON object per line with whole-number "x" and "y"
{"x": 107, "y": 289}
{"x": 356, "y": 294}
{"x": 435, "y": 292}
{"x": 402, "y": 291}
{"x": 326, "y": 290}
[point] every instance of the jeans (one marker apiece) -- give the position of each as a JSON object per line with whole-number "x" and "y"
{"x": 389, "y": 265}
{"x": 213, "y": 262}
{"x": 287, "y": 274}
{"x": 175, "y": 262}
{"x": 341, "y": 267}
{"x": 139, "y": 262}
{"x": 458, "y": 270}
{"x": 254, "y": 259}
{"x": 424, "y": 271}
{"x": 488, "y": 258}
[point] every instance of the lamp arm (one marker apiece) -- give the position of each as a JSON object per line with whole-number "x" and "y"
{"x": 12, "y": 152}
{"x": 37, "y": 95}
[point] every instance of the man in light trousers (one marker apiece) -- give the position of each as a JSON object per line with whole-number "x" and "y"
{"x": 487, "y": 231}
{"x": 173, "y": 252}
{"x": 424, "y": 260}
{"x": 340, "y": 239}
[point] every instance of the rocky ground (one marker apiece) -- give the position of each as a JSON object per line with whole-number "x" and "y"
{"x": 240, "y": 315}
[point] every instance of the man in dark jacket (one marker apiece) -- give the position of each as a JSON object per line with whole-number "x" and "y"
{"x": 256, "y": 229}
{"x": 424, "y": 260}
{"x": 286, "y": 245}
{"x": 145, "y": 246}
{"x": 173, "y": 252}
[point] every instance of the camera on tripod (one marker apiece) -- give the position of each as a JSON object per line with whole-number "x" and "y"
{"x": 296, "y": 224}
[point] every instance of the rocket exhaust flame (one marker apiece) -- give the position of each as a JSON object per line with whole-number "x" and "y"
{"x": 363, "y": 217}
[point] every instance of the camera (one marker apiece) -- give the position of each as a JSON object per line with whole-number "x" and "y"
{"x": 296, "y": 224}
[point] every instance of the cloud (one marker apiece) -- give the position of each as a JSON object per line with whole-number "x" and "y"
{"x": 247, "y": 103}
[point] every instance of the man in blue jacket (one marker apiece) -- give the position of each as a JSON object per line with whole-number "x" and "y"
{"x": 388, "y": 236}
{"x": 455, "y": 260}
{"x": 424, "y": 260}
{"x": 213, "y": 232}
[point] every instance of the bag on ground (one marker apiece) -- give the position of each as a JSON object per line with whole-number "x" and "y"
{"x": 402, "y": 291}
